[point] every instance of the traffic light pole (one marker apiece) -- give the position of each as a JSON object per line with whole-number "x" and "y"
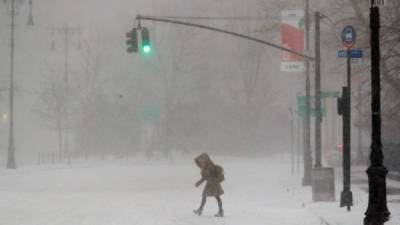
{"x": 318, "y": 116}
{"x": 323, "y": 181}
{"x": 307, "y": 158}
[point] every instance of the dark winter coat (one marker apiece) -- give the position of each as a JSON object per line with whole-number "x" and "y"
{"x": 208, "y": 174}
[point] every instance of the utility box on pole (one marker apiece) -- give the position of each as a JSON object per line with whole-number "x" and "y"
{"x": 323, "y": 184}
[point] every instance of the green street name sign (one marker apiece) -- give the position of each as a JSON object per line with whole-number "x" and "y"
{"x": 301, "y": 103}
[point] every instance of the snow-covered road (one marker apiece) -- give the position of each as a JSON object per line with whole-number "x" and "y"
{"x": 148, "y": 194}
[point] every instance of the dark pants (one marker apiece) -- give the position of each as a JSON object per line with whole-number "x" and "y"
{"x": 204, "y": 199}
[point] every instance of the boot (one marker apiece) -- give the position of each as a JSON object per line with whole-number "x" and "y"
{"x": 220, "y": 214}
{"x": 198, "y": 212}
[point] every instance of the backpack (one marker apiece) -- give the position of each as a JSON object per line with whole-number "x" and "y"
{"x": 219, "y": 173}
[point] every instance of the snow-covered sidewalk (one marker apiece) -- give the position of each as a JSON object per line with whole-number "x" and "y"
{"x": 330, "y": 212}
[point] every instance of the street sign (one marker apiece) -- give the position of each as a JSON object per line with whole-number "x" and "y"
{"x": 301, "y": 106}
{"x": 353, "y": 53}
{"x": 356, "y": 61}
{"x": 349, "y": 36}
{"x": 380, "y": 2}
{"x": 329, "y": 94}
{"x": 301, "y": 103}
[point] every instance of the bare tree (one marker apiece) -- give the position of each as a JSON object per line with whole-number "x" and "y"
{"x": 52, "y": 103}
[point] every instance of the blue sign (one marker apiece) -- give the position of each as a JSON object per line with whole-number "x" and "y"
{"x": 353, "y": 54}
{"x": 349, "y": 36}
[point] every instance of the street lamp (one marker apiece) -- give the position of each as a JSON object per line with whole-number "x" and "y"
{"x": 30, "y": 3}
{"x": 30, "y": 18}
{"x": 377, "y": 212}
{"x": 11, "y": 164}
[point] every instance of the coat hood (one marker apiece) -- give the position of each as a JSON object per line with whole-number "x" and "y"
{"x": 203, "y": 160}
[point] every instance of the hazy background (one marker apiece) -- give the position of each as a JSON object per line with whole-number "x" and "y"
{"x": 199, "y": 91}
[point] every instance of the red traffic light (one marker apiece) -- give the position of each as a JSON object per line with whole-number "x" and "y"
{"x": 128, "y": 34}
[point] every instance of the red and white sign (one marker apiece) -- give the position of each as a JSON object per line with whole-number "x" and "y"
{"x": 292, "y": 31}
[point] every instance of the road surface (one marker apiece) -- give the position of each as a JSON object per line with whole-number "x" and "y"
{"x": 155, "y": 193}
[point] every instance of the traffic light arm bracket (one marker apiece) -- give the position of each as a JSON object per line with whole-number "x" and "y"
{"x": 139, "y": 18}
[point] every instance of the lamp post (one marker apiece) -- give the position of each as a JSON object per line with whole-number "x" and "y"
{"x": 377, "y": 212}
{"x": 360, "y": 154}
{"x": 11, "y": 162}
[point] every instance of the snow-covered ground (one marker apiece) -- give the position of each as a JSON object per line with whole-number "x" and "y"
{"x": 257, "y": 191}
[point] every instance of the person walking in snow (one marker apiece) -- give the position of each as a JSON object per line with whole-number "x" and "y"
{"x": 213, "y": 175}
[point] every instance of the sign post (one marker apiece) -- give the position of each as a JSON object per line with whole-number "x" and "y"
{"x": 349, "y": 37}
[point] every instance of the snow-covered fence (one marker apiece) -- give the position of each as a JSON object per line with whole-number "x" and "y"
{"x": 53, "y": 158}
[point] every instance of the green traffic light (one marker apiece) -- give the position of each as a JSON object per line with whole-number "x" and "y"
{"x": 146, "y": 49}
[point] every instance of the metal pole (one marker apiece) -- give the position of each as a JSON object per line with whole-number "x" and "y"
{"x": 360, "y": 155}
{"x": 11, "y": 164}
{"x": 307, "y": 158}
{"x": 377, "y": 212}
{"x": 139, "y": 18}
{"x": 346, "y": 195}
{"x": 318, "y": 116}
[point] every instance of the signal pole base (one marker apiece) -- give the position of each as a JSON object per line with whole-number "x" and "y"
{"x": 323, "y": 184}
{"x": 346, "y": 199}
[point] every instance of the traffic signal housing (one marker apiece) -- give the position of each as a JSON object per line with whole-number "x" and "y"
{"x": 132, "y": 41}
{"x": 340, "y": 105}
{"x": 146, "y": 45}
{"x": 342, "y": 102}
